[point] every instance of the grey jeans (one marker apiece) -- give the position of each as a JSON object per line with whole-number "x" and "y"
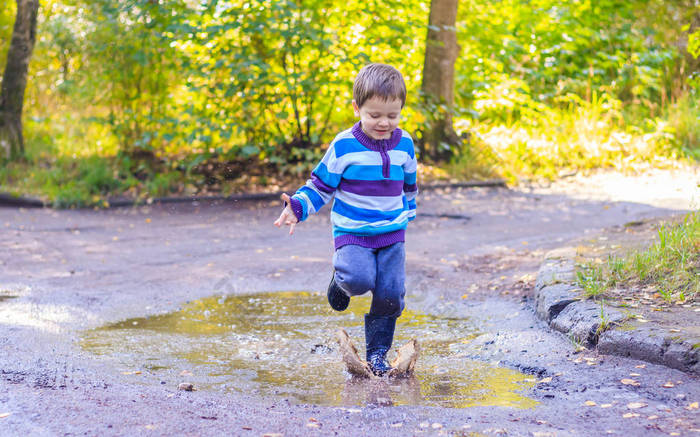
{"x": 359, "y": 270}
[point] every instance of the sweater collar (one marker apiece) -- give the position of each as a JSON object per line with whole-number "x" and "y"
{"x": 376, "y": 145}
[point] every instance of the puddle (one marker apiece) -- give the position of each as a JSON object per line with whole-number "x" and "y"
{"x": 282, "y": 344}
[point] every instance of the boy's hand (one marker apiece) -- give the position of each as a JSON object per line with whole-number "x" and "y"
{"x": 287, "y": 217}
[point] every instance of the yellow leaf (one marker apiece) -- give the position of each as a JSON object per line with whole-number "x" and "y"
{"x": 641, "y": 366}
{"x": 545, "y": 380}
{"x": 693, "y": 406}
{"x": 4, "y": 415}
{"x": 669, "y": 384}
{"x": 629, "y": 415}
{"x": 628, "y": 381}
{"x": 148, "y": 220}
{"x": 635, "y": 374}
{"x": 590, "y": 403}
{"x": 653, "y": 417}
{"x": 635, "y": 405}
{"x": 605, "y": 405}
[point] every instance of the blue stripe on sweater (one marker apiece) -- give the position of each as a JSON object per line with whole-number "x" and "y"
{"x": 410, "y": 178}
{"x": 406, "y": 145}
{"x": 328, "y": 178}
{"x": 362, "y": 214}
{"x": 372, "y": 173}
{"x": 370, "y": 230}
{"x": 348, "y": 145}
{"x": 316, "y": 200}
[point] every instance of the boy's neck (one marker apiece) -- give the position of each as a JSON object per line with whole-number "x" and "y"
{"x": 374, "y": 144}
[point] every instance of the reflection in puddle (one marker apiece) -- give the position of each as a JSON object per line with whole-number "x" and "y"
{"x": 282, "y": 344}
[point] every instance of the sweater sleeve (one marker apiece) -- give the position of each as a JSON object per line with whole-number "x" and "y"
{"x": 319, "y": 189}
{"x": 410, "y": 182}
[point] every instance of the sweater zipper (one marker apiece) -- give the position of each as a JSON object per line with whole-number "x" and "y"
{"x": 386, "y": 164}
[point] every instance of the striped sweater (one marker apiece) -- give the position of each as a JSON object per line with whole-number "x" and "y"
{"x": 374, "y": 183}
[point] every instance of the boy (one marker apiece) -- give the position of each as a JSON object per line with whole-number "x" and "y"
{"x": 371, "y": 170}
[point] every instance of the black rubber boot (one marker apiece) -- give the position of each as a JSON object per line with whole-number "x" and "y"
{"x": 337, "y": 298}
{"x": 379, "y": 333}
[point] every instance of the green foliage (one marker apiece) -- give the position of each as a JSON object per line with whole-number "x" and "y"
{"x": 188, "y": 88}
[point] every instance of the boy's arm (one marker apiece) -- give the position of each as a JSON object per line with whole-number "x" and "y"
{"x": 410, "y": 182}
{"x": 319, "y": 189}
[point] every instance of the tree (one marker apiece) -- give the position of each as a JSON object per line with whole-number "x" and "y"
{"x": 441, "y": 51}
{"x": 14, "y": 80}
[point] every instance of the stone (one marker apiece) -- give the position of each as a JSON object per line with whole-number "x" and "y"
{"x": 581, "y": 320}
{"x": 552, "y": 299}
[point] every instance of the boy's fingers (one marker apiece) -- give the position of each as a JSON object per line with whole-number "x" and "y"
{"x": 285, "y": 197}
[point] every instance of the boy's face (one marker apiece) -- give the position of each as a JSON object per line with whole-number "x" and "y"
{"x": 379, "y": 117}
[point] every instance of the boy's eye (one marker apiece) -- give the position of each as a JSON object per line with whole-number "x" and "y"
{"x": 374, "y": 115}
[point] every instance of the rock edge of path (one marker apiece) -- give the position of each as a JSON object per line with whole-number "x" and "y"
{"x": 560, "y": 302}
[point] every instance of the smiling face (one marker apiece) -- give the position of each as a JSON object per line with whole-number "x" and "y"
{"x": 379, "y": 117}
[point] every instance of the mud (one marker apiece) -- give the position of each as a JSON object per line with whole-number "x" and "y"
{"x": 77, "y": 271}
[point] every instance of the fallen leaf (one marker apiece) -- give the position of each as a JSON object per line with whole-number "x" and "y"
{"x": 641, "y": 366}
{"x": 590, "y": 403}
{"x": 312, "y": 419}
{"x": 635, "y": 374}
{"x": 545, "y": 380}
{"x": 313, "y": 425}
{"x": 397, "y": 425}
{"x": 653, "y": 417}
{"x": 629, "y": 415}
{"x": 424, "y": 425}
{"x": 669, "y": 384}
{"x": 436, "y": 426}
{"x": 605, "y": 405}
{"x": 4, "y": 415}
{"x": 635, "y": 405}
{"x": 185, "y": 373}
{"x": 150, "y": 427}
{"x": 693, "y": 406}
{"x": 628, "y": 381}
{"x": 148, "y": 220}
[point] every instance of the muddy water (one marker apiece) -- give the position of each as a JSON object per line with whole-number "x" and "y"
{"x": 282, "y": 344}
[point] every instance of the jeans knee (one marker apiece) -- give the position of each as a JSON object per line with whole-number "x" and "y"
{"x": 355, "y": 284}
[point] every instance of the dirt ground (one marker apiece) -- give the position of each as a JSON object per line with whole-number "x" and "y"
{"x": 471, "y": 255}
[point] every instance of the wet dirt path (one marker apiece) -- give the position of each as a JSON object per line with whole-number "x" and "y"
{"x": 471, "y": 257}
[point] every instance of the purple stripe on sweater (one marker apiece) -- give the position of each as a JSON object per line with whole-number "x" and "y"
{"x": 372, "y": 242}
{"x": 410, "y": 188}
{"x": 318, "y": 183}
{"x": 385, "y": 187}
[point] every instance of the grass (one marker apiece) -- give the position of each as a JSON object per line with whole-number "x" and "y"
{"x": 670, "y": 267}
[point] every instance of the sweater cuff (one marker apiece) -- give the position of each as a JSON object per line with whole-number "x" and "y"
{"x": 297, "y": 208}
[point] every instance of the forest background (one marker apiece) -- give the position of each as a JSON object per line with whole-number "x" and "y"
{"x": 148, "y": 98}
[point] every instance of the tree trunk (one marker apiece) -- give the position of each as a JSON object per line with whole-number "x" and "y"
{"x": 14, "y": 80}
{"x": 441, "y": 51}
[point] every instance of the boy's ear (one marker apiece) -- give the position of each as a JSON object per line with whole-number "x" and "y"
{"x": 355, "y": 108}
